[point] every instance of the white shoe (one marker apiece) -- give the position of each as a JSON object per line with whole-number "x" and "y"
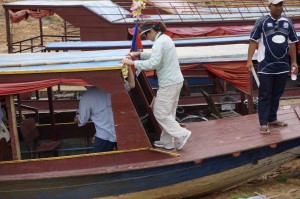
{"x": 164, "y": 145}
{"x": 180, "y": 142}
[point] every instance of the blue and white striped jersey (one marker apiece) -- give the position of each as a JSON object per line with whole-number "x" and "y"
{"x": 274, "y": 37}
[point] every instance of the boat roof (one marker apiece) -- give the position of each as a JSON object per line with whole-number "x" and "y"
{"x": 99, "y": 45}
{"x": 60, "y": 62}
{"x": 81, "y": 45}
{"x": 110, "y": 59}
{"x": 182, "y": 11}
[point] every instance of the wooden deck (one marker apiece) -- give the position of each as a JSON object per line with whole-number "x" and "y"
{"x": 235, "y": 135}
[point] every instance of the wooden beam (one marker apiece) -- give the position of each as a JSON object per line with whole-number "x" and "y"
{"x": 13, "y": 131}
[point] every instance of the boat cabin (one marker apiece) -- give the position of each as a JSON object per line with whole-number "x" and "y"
{"x": 30, "y": 72}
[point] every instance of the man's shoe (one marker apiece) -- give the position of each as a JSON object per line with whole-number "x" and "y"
{"x": 180, "y": 142}
{"x": 164, "y": 145}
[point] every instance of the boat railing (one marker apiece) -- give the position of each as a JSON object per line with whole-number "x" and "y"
{"x": 26, "y": 107}
{"x": 143, "y": 98}
{"x": 37, "y": 44}
{"x": 199, "y": 10}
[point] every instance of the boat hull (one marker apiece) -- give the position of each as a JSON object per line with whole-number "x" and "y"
{"x": 172, "y": 181}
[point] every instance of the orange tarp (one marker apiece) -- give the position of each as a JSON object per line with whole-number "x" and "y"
{"x": 24, "y": 87}
{"x": 234, "y": 73}
{"x": 18, "y": 16}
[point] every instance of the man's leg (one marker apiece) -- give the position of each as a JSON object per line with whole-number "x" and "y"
{"x": 163, "y": 110}
{"x": 166, "y": 140}
{"x": 101, "y": 145}
{"x": 277, "y": 92}
{"x": 264, "y": 98}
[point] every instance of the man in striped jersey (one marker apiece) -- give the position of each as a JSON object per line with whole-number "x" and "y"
{"x": 276, "y": 38}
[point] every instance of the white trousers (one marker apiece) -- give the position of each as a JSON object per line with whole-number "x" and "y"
{"x": 165, "y": 105}
{"x": 4, "y": 133}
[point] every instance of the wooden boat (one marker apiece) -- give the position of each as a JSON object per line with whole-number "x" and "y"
{"x": 195, "y": 18}
{"x": 219, "y": 154}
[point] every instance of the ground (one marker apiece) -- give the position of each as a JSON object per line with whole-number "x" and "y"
{"x": 283, "y": 183}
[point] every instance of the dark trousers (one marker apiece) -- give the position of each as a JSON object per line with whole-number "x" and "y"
{"x": 101, "y": 145}
{"x": 270, "y": 90}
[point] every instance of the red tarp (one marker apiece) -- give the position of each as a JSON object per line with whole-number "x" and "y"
{"x": 184, "y": 32}
{"x": 24, "y": 87}
{"x": 16, "y": 17}
{"x": 187, "y": 32}
{"x": 234, "y": 73}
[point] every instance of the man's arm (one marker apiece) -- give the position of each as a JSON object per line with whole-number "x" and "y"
{"x": 130, "y": 79}
{"x": 293, "y": 57}
{"x": 83, "y": 113}
{"x": 251, "y": 50}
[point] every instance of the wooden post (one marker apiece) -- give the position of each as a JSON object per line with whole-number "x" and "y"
{"x": 13, "y": 131}
{"x": 8, "y": 33}
{"x": 19, "y": 108}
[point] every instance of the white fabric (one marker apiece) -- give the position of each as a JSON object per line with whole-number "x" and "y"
{"x": 275, "y": 1}
{"x": 164, "y": 111}
{"x": 1, "y": 113}
{"x": 4, "y": 133}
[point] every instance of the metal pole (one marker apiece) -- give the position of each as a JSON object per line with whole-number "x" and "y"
{"x": 41, "y": 32}
{"x": 65, "y": 30}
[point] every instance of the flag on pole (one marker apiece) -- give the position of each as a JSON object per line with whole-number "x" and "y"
{"x": 136, "y": 44}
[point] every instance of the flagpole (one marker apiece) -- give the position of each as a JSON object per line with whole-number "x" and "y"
{"x": 138, "y": 71}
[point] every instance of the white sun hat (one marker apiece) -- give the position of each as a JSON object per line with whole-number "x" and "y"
{"x": 275, "y": 1}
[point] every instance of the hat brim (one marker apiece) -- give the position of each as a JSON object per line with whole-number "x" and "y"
{"x": 144, "y": 31}
{"x": 276, "y": 2}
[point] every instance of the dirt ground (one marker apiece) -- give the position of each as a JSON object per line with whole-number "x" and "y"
{"x": 283, "y": 183}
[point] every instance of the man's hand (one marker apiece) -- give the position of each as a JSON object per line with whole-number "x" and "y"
{"x": 294, "y": 68}
{"x": 76, "y": 119}
{"x": 127, "y": 61}
{"x": 134, "y": 54}
{"x": 249, "y": 65}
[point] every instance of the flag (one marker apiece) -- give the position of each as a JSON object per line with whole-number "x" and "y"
{"x": 136, "y": 44}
